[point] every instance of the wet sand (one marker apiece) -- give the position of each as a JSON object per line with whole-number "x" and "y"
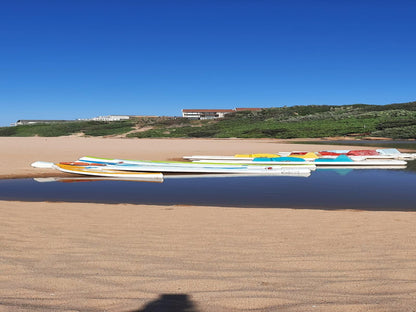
{"x": 97, "y": 257}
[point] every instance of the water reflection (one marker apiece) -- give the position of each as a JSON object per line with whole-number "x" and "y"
{"x": 324, "y": 189}
{"x": 92, "y": 179}
{"x": 167, "y": 176}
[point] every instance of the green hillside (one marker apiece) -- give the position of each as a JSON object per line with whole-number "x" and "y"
{"x": 397, "y": 121}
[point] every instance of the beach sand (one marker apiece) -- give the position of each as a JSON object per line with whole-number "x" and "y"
{"x": 105, "y": 257}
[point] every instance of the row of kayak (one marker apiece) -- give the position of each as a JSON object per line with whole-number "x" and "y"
{"x": 385, "y": 157}
{"x": 285, "y": 164}
{"x": 122, "y": 168}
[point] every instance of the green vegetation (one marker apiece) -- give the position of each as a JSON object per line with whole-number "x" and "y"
{"x": 92, "y": 128}
{"x": 397, "y": 121}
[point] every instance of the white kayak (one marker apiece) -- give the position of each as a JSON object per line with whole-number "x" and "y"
{"x": 99, "y": 171}
{"x": 189, "y": 167}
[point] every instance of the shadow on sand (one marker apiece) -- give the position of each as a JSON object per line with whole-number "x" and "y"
{"x": 170, "y": 303}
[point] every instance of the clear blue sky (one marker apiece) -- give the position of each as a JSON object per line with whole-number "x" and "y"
{"x": 83, "y": 58}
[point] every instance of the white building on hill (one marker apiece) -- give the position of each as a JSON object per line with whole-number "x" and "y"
{"x": 212, "y": 113}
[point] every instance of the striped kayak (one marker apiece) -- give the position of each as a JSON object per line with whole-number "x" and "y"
{"x": 286, "y": 162}
{"x": 344, "y": 160}
{"x": 99, "y": 171}
{"x": 189, "y": 167}
{"x": 387, "y": 153}
{"x": 341, "y": 160}
{"x": 285, "y": 157}
{"x": 293, "y": 157}
{"x": 88, "y": 178}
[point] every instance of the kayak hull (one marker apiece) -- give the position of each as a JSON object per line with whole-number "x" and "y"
{"x": 104, "y": 171}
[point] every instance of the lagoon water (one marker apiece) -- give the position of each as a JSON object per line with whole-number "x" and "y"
{"x": 372, "y": 189}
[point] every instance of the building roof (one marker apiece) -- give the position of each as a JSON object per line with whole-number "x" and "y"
{"x": 207, "y": 110}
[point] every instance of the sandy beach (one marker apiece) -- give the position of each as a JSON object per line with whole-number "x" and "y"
{"x": 105, "y": 257}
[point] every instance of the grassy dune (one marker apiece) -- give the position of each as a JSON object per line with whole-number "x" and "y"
{"x": 397, "y": 121}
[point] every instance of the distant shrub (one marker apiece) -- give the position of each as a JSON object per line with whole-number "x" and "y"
{"x": 8, "y": 131}
{"x": 274, "y": 133}
{"x": 202, "y": 133}
{"x": 395, "y": 123}
{"x": 50, "y": 129}
{"x": 410, "y": 106}
{"x": 107, "y": 128}
{"x": 152, "y": 133}
{"x": 172, "y": 121}
{"x": 408, "y": 132}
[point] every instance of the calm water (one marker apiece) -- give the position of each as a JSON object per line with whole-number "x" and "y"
{"x": 372, "y": 189}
